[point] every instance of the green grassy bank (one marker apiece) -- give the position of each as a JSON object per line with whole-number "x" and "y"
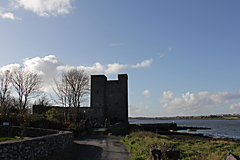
{"x": 2, "y": 139}
{"x": 199, "y": 148}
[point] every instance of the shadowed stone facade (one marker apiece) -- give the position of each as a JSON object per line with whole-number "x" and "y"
{"x": 109, "y": 99}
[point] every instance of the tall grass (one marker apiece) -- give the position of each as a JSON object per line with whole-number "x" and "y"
{"x": 140, "y": 143}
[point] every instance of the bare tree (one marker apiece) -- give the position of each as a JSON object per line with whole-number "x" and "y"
{"x": 43, "y": 100}
{"x": 5, "y": 80}
{"x": 78, "y": 81}
{"x": 61, "y": 89}
{"x": 72, "y": 87}
{"x": 27, "y": 84}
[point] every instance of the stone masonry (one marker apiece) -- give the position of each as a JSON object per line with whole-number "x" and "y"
{"x": 33, "y": 148}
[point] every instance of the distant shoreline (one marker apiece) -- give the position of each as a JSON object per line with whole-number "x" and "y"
{"x": 210, "y": 117}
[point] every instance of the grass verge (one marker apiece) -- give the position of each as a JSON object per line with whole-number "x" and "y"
{"x": 140, "y": 143}
{"x": 2, "y": 139}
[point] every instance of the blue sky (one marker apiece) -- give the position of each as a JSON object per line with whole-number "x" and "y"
{"x": 182, "y": 57}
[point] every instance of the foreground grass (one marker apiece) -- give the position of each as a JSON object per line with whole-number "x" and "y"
{"x": 2, "y": 139}
{"x": 140, "y": 143}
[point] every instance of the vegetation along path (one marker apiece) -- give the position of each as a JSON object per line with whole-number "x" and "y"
{"x": 101, "y": 148}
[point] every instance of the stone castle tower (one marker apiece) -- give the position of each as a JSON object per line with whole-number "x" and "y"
{"x": 111, "y": 97}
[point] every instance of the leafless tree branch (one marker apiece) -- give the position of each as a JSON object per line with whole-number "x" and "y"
{"x": 27, "y": 84}
{"x": 72, "y": 87}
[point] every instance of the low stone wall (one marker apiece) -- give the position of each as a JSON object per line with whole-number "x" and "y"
{"x": 27, "y": 132}
{"x": 119, "y": 128}
{"x": 34, "y": 148}
{"x": 159, "y": 126}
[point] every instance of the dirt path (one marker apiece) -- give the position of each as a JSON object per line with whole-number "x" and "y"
{"x": 101, "y": 148}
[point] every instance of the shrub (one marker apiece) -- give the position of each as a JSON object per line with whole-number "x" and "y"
{"x": 56, "y": 114}
{"x": 46, "y": 123}
{"x": 80, "y": 129}
{"x": 54, "y": 121}
{"x": 13, "y": 119}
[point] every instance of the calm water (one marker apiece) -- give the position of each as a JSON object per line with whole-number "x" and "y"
{"x": 220, "y": 128}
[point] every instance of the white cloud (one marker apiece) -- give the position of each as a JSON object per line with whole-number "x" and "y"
{"x": 146, "y": 93}
{"x": 9, "y": 15}
{"x": 145, "y": 63}
{"x": 192, "y": 103}
{"x": 162, "y": 55}
{"x": 10, "y": 67}
{"x": 167, "y": 96}
{"x": 49, "y": 67}
{"x": 96, "y": 68}
{"x": 115, "y": 68}
{"x": 235, "y": 106}
{"x": 133, "y": 109}
{"x": 45, "y": 8}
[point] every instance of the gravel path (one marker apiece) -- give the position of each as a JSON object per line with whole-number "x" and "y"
{"x": 101, "y": 148}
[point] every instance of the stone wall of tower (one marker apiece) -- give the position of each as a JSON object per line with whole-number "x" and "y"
{"x": 117, "y": 99}
{"x": 123, "y": 80}
{"x": 98, "y": 83}
{"x": 112, "y": 96}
